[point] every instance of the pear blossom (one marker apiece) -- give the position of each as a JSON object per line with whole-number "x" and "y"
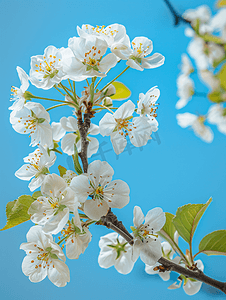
{"x": 118, "y": 126}
{"x": 190, "y": 285}
{"x": 115, "y": 251}
{"x": 186, "y": 65}
{"x": 68, "y": 176}
{"x": 72, "y": 138}
{"x": 18, "y": 93}
{"x": 112, "y": 34}
{"x": 44, "y": 258}
{"x": 58, "y": 131}
{"x": 197, "y": 124}
{"x": 146, "y": 242}
{"x": 33, "y": 119}
{"x": 168, "y": 253}
{"x": 104, "y": 193}
{"x": 217, "y": 115}
{"x": 87, "y": 60}
{"x": 147, "y": 106}
{"x": 37, "y": 166}
{"x": 185, "y": 90}
{"x": 202, "y": 13}
{"x": 204, "y": 53}
{"x": 137, "y": 56}
{"x": 52, "y": 209}
{"x": 47, "y": 70}
{"x": 77, "y": 237}
{"x": 209, "y": 79}
{"x": 218, "y": 23}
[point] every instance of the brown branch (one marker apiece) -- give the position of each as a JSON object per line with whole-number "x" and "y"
{"x": 111, "y": 221}
{"x": 83, "y": 127}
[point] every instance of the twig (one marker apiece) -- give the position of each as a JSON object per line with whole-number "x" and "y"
{"x": 177, "y": 17}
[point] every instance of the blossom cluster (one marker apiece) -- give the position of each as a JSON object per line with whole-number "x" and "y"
{"x": 67, "y": 204}
{"x": 207, "y": 50}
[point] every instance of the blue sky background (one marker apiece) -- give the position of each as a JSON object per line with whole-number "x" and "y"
{"x": 174, "y": 169}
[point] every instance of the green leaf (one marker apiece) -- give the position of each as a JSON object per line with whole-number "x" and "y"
{"x": 214, "y": 243}
{"x": 168, "y": 231}
{"x": 187, "y": 218}
{"x": 62, "y": 170}
{"x": 36, "y": 195}
{"x": 222, "y": 76}
{"x": 215, "y": 96}
{"x": 122, "y": 92}
{"x": 16, "y": 211}
{"x": 77, "y": 165}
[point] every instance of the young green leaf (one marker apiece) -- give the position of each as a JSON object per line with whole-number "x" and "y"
{"x": 77, "y": 165}
{"x": 122, "y": 92}
{"x": 168, "y": 231}
{"x": 222, "y": 76}
{"x": 36, "y": 195}
{"x": 214, "y": 243}
{"x": 62, "y": 170}
{"x": 187, "y": 218}
{"x": 16, "y": 211}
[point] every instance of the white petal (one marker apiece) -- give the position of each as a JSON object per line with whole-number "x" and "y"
{"x": 117, "y": 194}
{"x": 94, "y": 210}
{"x": 151, "y": 252}
{"x": 59, "y": 274}
{"x": 155, "y": 219}
{"x": 138, "y": 216}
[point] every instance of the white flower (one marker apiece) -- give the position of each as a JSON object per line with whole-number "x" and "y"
{"x": 185, "y": 90}
{"x": 147, "y": 106}
{"x": 186, "y": 65}
{"x": 203, "y": 13}
{"x": 115, "y": 251}
{"x": 218, "y": 23}
{"x": 137, "y": 56}
{"x": 104, "y": 193}
{"x": 204, "y": 54}
{"x": 146, "y": 242}
{"x": 118, "y": 126}
{"x": 38, "y": 164}
{"x": 67, "y": 143}
{"x": 77, "y": 237}
{"x": 33, "y": 119}
{"x": 58, "y": 131}
{"x": 52, "y": 209}
{"x": 18, "y": 93}
{"x": 87, "y": 60}
{"x": 168, "y": 253}
{"x": 190, "y": 285}
{"x": 68, "y": 176}
{"x": 197, "y": 124}
{"x": 112, "y": 34}
{"x": 217, "y": 115}
{"x": 47, "y": 70}
{"x": 44, "y": 258}
{"x": 209, "y": 79}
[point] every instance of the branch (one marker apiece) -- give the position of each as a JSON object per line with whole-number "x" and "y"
{"x": 177, "y": 17}
{"x": 83, "y": 127}
{"x": 197, "y": 274}
{"x": 111, "y": 221}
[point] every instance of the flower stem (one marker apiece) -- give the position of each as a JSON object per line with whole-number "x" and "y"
{"x": 55, "y": 106}
{"x": 115, "y": 78}
{"x": 58, "y": 90}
